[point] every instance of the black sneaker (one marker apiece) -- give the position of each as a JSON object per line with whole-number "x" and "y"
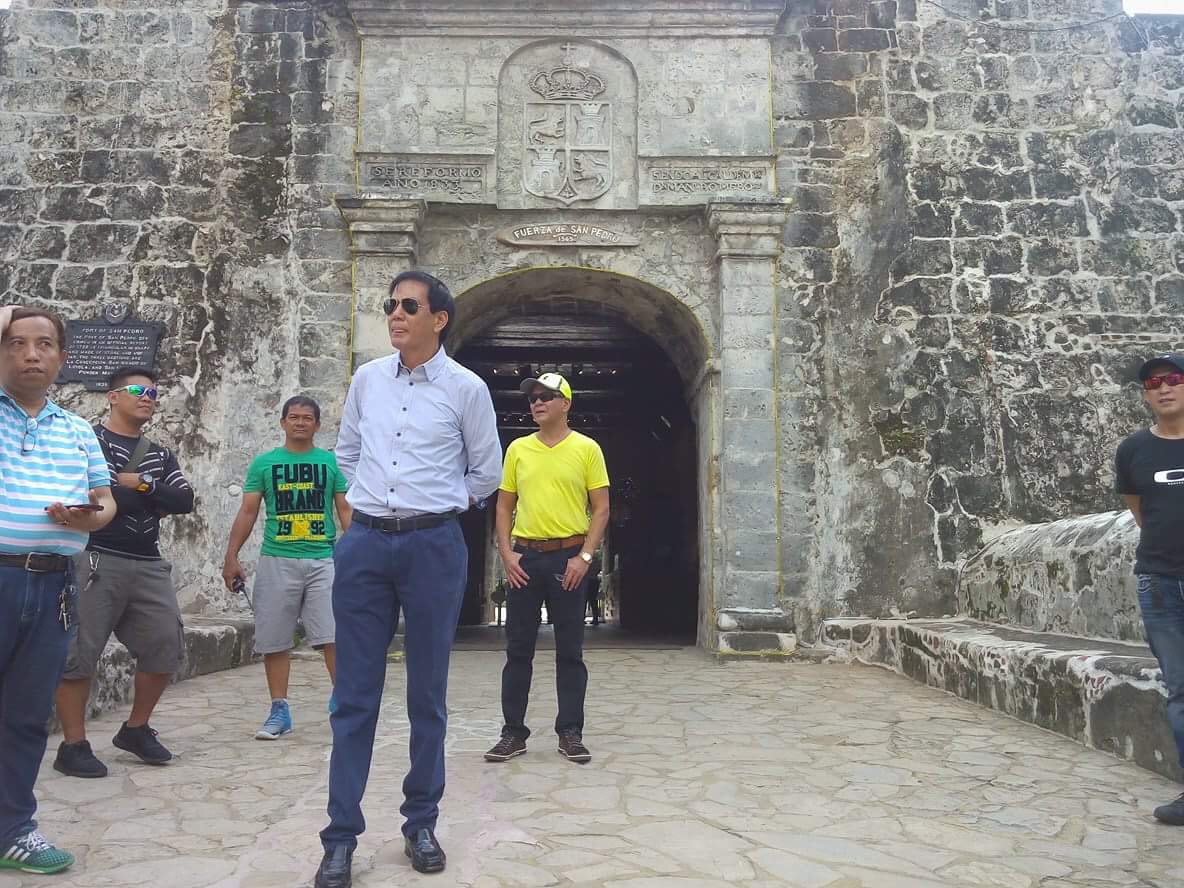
{"x": 571, "y": 747}
{"x": 142, "y": 742}
{"x": 1172, "y": 812}
{"x": 78, "y": 760}
{"x": 506, "y": 748}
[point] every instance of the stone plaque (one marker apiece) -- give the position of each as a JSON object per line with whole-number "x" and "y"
{"x": 689, "y": 182}
{"x": 96, "y": 349}
{"x": 564, "y": 234}
{"x": 456, "y": 179}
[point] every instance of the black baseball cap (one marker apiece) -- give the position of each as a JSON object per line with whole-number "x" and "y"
{"x": 1172, "y": 359}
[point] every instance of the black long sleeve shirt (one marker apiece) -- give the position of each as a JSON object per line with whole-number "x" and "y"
{"x": 135, "y": 531}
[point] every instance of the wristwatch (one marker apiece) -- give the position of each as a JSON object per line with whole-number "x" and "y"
{"x": 146, "y": 482}
{"x": 586, "y": 557}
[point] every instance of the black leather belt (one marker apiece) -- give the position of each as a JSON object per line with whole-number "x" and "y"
{"x": 402, "y": 525}
{"x": 36, "y": 562}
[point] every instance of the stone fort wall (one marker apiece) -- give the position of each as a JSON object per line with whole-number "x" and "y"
{"x": 985, "y": 239}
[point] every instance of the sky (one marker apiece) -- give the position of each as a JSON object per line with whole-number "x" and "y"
{"x": 1136, "y": 6}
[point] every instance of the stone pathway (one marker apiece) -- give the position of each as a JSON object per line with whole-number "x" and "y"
{"x": 704, "y": 776}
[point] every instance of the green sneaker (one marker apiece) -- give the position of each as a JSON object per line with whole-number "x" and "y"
{"x": 32, "y": 854}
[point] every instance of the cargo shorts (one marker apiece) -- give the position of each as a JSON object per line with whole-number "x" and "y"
{"x": 135, "y": 599}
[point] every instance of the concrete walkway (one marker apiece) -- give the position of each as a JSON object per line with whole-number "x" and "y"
{"x": 703, "y": 776}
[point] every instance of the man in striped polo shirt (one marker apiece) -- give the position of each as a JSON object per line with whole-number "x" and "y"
{"x": 50, "y": 466}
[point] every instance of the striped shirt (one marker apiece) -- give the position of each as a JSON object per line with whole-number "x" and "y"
{"x": 51, "y": 458}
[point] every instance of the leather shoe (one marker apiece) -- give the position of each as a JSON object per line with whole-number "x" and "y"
{"x": 334, "y": 871}
{"x": 425, "y": 852}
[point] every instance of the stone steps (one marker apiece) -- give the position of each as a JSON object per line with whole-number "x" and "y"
{"x": 1104, "y": 694}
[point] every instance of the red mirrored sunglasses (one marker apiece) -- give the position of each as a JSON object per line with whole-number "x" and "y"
{"x": 1172, "y": 379}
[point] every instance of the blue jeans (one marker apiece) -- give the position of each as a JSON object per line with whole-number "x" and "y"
{"x": 33, "y": 647}
{"x": 523, "y": 613}
{"x": 422, "y": 573}
{"x": 1161, "y": 600}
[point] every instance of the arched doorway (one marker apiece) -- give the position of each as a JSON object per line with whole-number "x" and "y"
{"x": 632, "y": 354}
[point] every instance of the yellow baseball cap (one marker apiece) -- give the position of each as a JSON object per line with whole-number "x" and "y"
{"x": 551, "y": 381}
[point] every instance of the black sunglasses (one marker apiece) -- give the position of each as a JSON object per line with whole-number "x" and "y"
{"x": 542, "y": 396}
{"x": 410, "y": 306}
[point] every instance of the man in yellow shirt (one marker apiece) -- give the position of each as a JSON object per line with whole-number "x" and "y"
{"x": 557, "y": 481}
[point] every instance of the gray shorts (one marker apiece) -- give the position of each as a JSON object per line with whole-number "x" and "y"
{"x": 291, "y": 589}
{"x": 136, "y": 600}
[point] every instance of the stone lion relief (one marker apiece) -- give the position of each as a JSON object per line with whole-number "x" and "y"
{"x": 567, "y": 128}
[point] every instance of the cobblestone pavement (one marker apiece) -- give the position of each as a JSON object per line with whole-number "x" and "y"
{"x": 704, "y": 776}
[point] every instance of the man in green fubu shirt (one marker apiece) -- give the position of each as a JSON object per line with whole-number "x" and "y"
{"x": 301, "y": 486}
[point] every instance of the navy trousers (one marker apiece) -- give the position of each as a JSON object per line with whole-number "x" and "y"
{"x": 376, "y": 575}
{"x": 33, "y": 645}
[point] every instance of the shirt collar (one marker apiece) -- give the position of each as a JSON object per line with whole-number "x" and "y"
{"x": 432, "y": 367}
{"x": 50, "y": 408}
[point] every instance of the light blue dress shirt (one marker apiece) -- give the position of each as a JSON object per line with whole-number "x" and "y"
{"x": 417, "y": 442}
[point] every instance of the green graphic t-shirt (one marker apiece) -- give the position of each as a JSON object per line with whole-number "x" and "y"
{"x": 298, "y": 489}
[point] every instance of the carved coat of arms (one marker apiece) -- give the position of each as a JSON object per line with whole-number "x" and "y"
{"x": 568, "y": 135}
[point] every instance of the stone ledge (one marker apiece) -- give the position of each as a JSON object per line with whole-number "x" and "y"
{"x": 210, "y": 646}
{"x": 1104, "y": 694}
{"x": 756, "y": 644}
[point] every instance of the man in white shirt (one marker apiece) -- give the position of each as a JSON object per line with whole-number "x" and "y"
{"x": 418, "y": 445}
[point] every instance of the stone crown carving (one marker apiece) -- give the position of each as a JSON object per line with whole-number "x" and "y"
{"x": 566, "y": 82}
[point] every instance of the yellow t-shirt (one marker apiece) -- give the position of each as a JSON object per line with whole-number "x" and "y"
{"x": 552, "y": 484}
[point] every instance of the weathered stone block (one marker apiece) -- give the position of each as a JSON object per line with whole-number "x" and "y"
{"x": 978, "y": 220}
{"x": 1001, "y": 110}
{"x": 75, "y": 283}
{"x": 1050, "y": 257}
{"x": 47, "y": 28}
{"x": 258, "y": 139}
{"x": 751, "y": 589}
{"x": 820, "y": 40}
{"x": 923, "y": 257}
{"x": 991, "y": 256}
{"x": 910, "y": 111}
{"x": 42, "y": 243}
{"x": 870, "y": 97}
{"x": 169, "y": 283}
{"x": 1136, "y": 215}
{"x": 925, "y": 296}
{"x": 811, "y": 230}
{"x": 1169, "y": 295}
{"x": 881, "y": 14}
{"x": 866, "y": 40}
{"x": 839, "y": 66}
{"x": 953, "y": 111}
{"x": 989, "y": 184}
{"x": 1048, "y": 219}
{"x": 101, "y": 242}
{"x": 816, "y": 101}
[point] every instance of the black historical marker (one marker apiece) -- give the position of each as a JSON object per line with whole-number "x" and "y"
{"x": 96, "y": 349}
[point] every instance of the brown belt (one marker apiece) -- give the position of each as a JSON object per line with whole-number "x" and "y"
{"x": 36, "y": 562}
{"x": 552, "y": 545}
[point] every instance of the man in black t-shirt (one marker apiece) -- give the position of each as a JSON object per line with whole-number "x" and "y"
{"x": 127, "y": 588}
{"x": 1149, "y": 469}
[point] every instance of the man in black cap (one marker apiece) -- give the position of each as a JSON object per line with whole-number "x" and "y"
{"x": 1149, "y": 469}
